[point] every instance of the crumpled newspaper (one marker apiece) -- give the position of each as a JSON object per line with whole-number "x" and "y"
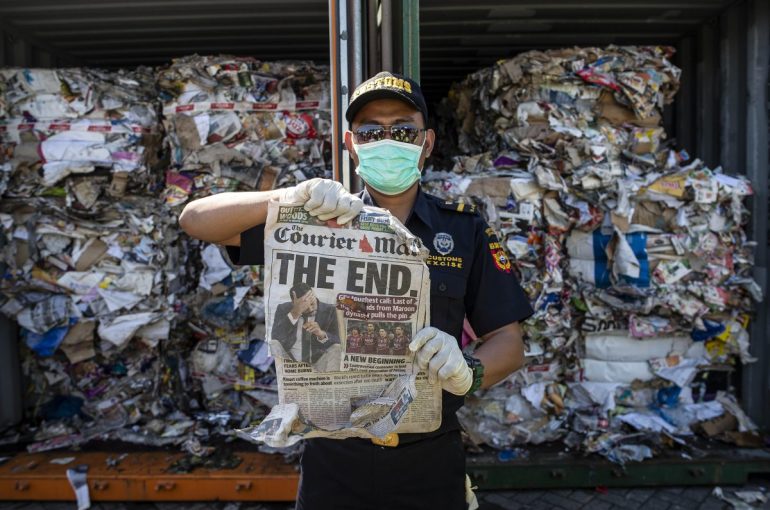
{"x": 285, "y": 426}
{"x": 633, "y": 254}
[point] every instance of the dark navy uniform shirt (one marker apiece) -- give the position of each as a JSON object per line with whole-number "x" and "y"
{"x": 470, "y": 275}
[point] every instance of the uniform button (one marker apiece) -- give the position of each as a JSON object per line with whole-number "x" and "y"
{"x": 442, "y": 287}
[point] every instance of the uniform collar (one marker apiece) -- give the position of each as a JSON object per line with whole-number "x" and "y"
{"x": 421, "y": 208}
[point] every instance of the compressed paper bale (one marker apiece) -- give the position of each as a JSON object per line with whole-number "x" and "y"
{"x": 608, "y": 227}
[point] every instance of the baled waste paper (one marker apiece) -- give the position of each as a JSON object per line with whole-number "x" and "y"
{"x": 132, "y": 330}
{"x": 634, "y": 253}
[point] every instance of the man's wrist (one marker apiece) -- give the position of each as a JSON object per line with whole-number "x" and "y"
{"x": 477, "y": 368}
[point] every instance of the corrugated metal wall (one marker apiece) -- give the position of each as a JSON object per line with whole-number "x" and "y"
{"x": 457, "y": 36}
{"x": 114, "y": 33}
{"x": 15, "y": 51}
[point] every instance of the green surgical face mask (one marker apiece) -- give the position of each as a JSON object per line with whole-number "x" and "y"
{"x": 388, "y": 166}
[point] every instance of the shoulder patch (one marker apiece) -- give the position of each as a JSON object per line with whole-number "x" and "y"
{"x": 463, "y": 207}
{"x": 500, "y": 259}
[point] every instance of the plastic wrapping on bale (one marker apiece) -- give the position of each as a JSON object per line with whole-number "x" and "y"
{"x": 635, "y": 258}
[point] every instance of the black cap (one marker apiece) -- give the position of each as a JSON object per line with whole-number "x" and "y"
{"x": 387, "y": 85}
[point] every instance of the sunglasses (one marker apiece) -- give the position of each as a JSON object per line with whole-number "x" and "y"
{"x": 406, "y": 133}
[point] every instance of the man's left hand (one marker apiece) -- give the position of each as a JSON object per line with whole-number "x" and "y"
{"x": 440, "y": 353}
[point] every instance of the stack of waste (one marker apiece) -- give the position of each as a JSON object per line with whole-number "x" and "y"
{"x": 635, "y": 257}
{"x": 132, "y": 330}
{"x": 79, "y": 122}
{"x": 236, "y": 124}
{"x": 83, "y": 252}
{"x": 241, "y": 124}
{"x": 90, "y": 297}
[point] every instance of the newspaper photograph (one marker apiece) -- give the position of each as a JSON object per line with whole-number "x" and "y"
{"x": 341, "y": 306}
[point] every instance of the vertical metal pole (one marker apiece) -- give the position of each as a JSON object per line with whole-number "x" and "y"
{"x": 386, "y": 32}
{"x": 756, "y": 376}
{"x": 334, "y": 84}
{"x": 373, "y": 64}
{"x": 410, "y": 24}
{"x": 356, "y": 43}
{"x": 338, "y": 75}
{"x": 344, "y": 93}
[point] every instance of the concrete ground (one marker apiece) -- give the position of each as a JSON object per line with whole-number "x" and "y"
{"x": 668, "y": 498}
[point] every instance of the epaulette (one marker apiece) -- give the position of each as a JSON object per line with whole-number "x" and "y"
{"x": 463, "y": 207}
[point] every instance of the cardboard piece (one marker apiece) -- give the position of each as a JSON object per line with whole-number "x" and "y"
{"x": 78, "y": 344}
{"x": 715, "y": 426}
{"x": 93, "y": 250}
{"x": 608, "y": 109}
{"x": 496, "y": 188}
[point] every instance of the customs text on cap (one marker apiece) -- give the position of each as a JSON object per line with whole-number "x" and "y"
{"x": 387, "y": 85}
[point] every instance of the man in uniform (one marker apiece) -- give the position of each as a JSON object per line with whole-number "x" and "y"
{"x": 470, "y": 277}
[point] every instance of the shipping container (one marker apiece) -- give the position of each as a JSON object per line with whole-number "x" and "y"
{"x": 720, "y": 115}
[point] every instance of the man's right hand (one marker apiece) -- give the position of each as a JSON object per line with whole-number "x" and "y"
{"x": 326, "y": 199}
{"x": 301, "y": 305}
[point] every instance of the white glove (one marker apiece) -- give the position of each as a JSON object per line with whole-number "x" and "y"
{"x": 326, "y": 199}
{"x": 440, "y": 353}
